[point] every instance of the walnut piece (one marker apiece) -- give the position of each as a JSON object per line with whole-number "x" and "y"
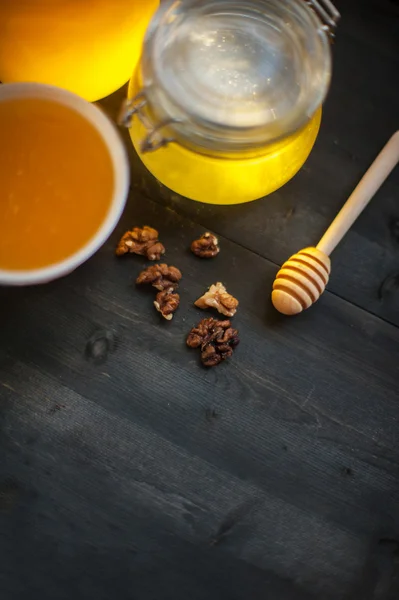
{"x": 216, "y": 340}
{"x": 160, "y": 277}
{"x": 143, "y": 242}
{"x": 206, "y": 247}
{"x": 218, "y": 297}
{"x": 167, "y": 303}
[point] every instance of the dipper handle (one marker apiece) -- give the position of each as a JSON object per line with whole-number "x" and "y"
{"x": 371, "y": 182}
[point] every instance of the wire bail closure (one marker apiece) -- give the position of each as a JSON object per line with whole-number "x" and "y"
{"x": 327, "y": 13}
{"x": 135, "y": 107}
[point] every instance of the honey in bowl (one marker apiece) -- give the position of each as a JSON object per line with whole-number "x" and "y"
{"x": 58, "y": 180}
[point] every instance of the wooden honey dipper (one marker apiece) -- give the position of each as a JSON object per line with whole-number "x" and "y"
{"x": 303, "y": 278}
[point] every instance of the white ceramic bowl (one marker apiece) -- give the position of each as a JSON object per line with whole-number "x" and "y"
{"x": 120, "y": 164}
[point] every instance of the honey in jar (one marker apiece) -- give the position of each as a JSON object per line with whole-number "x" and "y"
{"x": 225, "y": 105}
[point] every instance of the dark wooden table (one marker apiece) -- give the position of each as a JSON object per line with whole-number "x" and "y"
{"x": 128, "y": 472}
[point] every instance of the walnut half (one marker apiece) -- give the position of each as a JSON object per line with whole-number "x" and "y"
{"x": 216, "y": 340}
{"x": 161, "y": 277}
{"x": 206, "y": 247}
{"x": 218, "y": 297}
{"x": 167, "y": 303}
{"x": 142, "y": 241}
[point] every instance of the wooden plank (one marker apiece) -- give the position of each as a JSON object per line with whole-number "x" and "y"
{"x": 146, "y": 476}
{"x": 360, "y": 115}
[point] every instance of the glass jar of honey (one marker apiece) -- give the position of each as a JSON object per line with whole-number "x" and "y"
{"x": 225, "y": 105}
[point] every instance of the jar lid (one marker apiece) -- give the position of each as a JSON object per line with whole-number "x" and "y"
{"x": 228, "y": 74}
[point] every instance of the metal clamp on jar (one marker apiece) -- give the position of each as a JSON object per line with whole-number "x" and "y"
{"x": 226, "y": 104}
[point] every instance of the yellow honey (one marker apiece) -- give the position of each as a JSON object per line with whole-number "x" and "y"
{"x": 214, "y": 180}
{"x": 57, "y": 182}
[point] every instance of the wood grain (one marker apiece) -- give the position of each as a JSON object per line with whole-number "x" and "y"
{"x": 123, "y": 486}
{"x": 128, "y": 471}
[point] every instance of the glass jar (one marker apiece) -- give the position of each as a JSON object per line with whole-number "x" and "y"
{"x": 85, "y": 46}
{"x": 225, "y": 105}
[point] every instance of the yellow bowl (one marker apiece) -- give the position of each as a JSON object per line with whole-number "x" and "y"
{"x": 89, "y": 47}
